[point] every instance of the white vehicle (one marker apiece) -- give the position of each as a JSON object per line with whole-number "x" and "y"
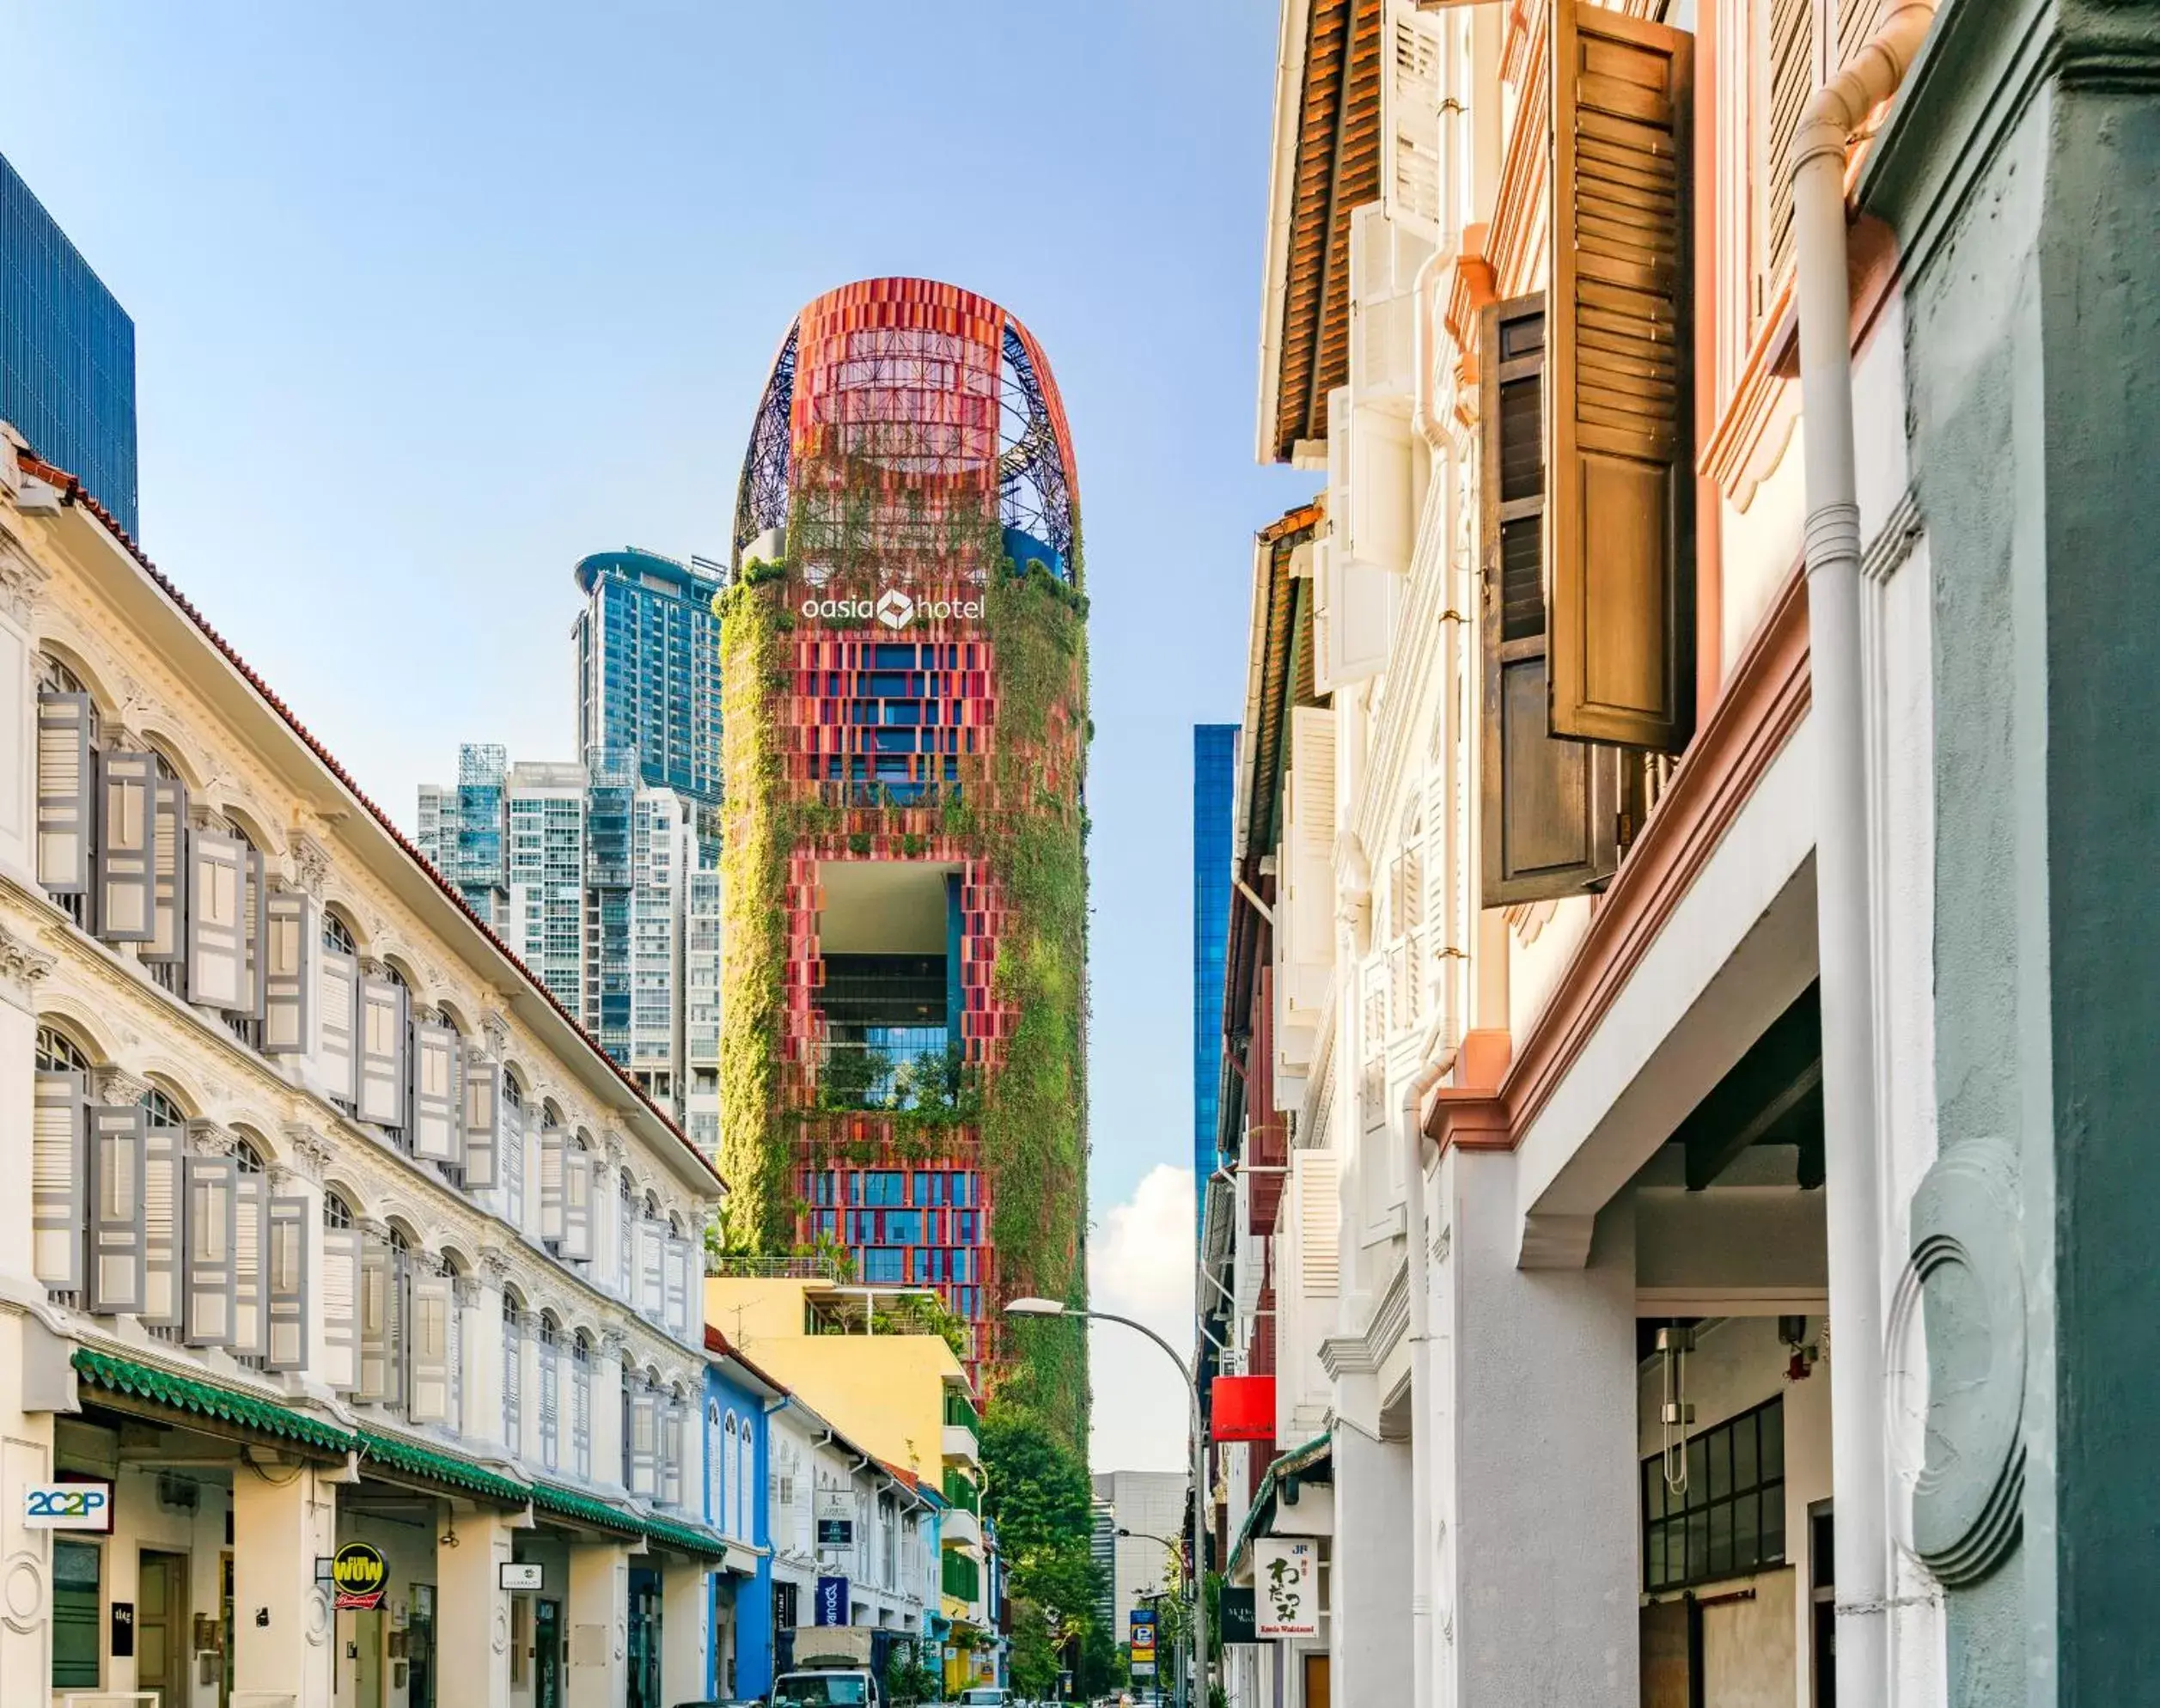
{"x": 986, "y": 1696}
{"x": 829, "y": 1687}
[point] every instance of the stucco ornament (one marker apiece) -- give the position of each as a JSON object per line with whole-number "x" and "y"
{"x": 1955, "y": 1367}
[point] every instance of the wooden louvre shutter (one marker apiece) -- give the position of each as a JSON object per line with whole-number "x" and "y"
{"x": 161, "y": 1152}
{"x": 510, "y": 1162}
{"x": 337, "y": 1037}
{"x": 483, "y": 1119}
{"x": 342, "y": 1261}
{"x": 513, "y": 1384}
{"x": 550, "y": 1180}
{"x": 65, "y": 800}
{"x": 285, "y": 1280}
{"x": 1788, "y": 59}
{"x": 1621, "y": 500}
{"x": 1858, "y": 21}
{"x": 550, "y": 1398}
{"x": 1549, "y": 811}
{"x": 168, "y": 941}
{"x": 651, "y": 1284}
{"x": 211, "y": 1229}
{"x": 118, "y": 1231}
{"x": 671, "y": 1442}
{"x": 645, "y": 1443}
{"x": 577, "y": 1205}
{"x": 432, "y": 1304}
{"x": 58, "y": 1133}
{"x": 378, "y": 1271}
{"x": 250, "y": 1275}
{"x": 382, "y": 1045}
{"x": 290, "y": 938}
{"x": 254, "y": 894}
{"x": 438, "y": 1132}
{"x": 675, "y": 1311}
{"x": 217, "y": 942}
{"x": 126, "y": 846}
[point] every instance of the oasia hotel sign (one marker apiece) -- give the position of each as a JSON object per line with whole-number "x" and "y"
{"x": 893, "y": 608}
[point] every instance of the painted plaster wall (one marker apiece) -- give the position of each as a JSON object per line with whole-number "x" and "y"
{"x": 1370, "y": 1582}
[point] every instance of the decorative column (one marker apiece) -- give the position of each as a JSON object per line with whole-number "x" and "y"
{"x": 484, "y": 1349}
{"x": 25, "y": 1436}
{"x": 608, "y": 1409}
{"x": 22, "y": 581}
{"x": 467, "y": 1299}
{"x": 22, "y": 967}
{"x": 597, "y": 1616}
{"x": 472, "y": 1612}
{"x": 299, "y": 1175}
{"x": 527, "y": 1446}
{"x": 284, "y": 1518}
{"x": 686, "y": 1632}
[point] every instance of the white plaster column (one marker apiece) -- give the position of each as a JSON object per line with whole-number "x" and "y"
{"x": 284, "y": 1518}
{"x": 482, "y": 1328}
{"x": 608, "y": 1409}
{"x": 298, "y": 1173}
{"x": 1532, "y": 1425}
{"x": 606, "y": 1265}
{"x": 23, "y": 966}
{"x": 686, "y": 1633}
{"x": 1368, "y": 1624}
{"x": 20, "y": 581}
{"x": 596, "y": 1618}
{"x": 527, "y": 1449}
{"x": 471, "y": 1613}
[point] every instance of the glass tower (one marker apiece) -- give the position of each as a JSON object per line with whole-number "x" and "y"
{"x": 648, "y": 667}
{"x": 67, "y": 354}
{"x": 1214, "y": 800}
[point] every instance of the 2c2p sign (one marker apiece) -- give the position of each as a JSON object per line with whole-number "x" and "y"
{"x": 68, "y": 1506}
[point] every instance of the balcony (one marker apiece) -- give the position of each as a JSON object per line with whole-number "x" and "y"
{"x": 959, "y": 1440}
{"x": 961, "y": 1528}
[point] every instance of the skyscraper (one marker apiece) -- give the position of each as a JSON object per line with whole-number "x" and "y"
{"x": 1214, "y": 802}
{"x": 903, "y": 651}
{"x": 648, "y": 667}
{"x": 67, "y": 354}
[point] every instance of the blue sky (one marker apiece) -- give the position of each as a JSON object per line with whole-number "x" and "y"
{"x": 432, "y": 300}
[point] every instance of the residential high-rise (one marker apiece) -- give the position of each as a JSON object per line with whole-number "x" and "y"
{"x": 649, "y": 667}
{"x": 1214, "y": 801}
{"x": 1149, "y": 1507}
{"x": 67, "y": 354}
{"x": 903, "y": 651}
{"x": 701, "y": 1014}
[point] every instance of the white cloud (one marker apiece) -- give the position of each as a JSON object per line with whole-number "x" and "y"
{"x": 1140, "y": 1264}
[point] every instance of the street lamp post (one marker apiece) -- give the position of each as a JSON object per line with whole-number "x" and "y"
{"x": 1041, "y": 1308}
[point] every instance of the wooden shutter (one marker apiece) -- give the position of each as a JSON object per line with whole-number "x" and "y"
{"x": 581, "y": 1413}
{"x": 1858, "y": 21}
{"x": 289, "y": 940}
{"x": 652, "y": 1284}
{"x": 1318, "y": 1221}
{"x": 343, "y": 1256}
{"x": 550, "y": 1180}
{"x": 483, "y": 1120}
{"x": 126, "y": 846}
{"x": 511, "y": 1162}
{"x": 337, "y": 1037}
{"x": 56, "y": 1206}
{"x": 64, "y": 802}
{"x": 677, "y": 1310}
{"x": 645, "y": 1443}
{"x": 285, "y": 1280}
{"x": 1788, "y": 61}
{"x": 254, "y": 893}
{"x": 432, "y": 1303}
{"x": 1619, "y": 515}
{"x": 217, "y": 927}
{"x": 250, "y": 1275}
{"x": 512, "y": 1385}
{"x": 168, "y": 944}
{"x": 437, "y": 1127}
{"x": 117, "y": 1233}
{"x": 382, "y": 1047}
{"x": 1549, "y": 811}
{"x": 209, "y": 1227}
{"x": 577, "y": 1205}
{"x": 551, "y": 1400}
{"x": 161, "y": 1201}
{"x": 671, "y": 1454}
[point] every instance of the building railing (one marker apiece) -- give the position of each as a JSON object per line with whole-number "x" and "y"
{"x": 803, "y": 1266}
{"x": 959, "y": 1414}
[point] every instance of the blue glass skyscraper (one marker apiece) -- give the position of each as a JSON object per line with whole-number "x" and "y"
{"x": 1214, "y": 802}
{"x": 648, "y": 667}
{"x": 67, "y": 354}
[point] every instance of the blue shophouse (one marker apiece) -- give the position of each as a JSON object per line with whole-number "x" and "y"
{"x": 737, "y": 1457}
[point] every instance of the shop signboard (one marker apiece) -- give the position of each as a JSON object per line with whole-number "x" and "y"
{"x": 1286, "y": 1586}
{"x": 361, "y": 1576}
{"x": 832, "y": 1600}
{"x": 84, "y": 1505}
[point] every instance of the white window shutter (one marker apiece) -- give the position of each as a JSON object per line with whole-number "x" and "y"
{"x": 57, "y": 1203}
{"x": 551, "y": 1181}
{"x": 254, "y": 921}
{"x": 581, "y": 1416}
{"x": 456, "y": 1420}
{"x": 677, "y": 1307}
{"x": 168, "y": 944}
{"x": 285, "y": 1266}
{"x": 64, "y": 798}
{"x": 551, "y": 1401}
{"x": 1306, "y": 956}
{"x": 644, "y": 1444}
{"x": 382, "y": 1047}
{"x": 289, "y": 940}
{"x": 510, "y": 1164}
{"x": 652, "y": 1286}
{"x": 210, "y": 1228}
{"x": 512, "y": 1385}
{"x": 437, "y": 1129}
{"x": 116, "y": 1219}
{"x": 626, "y": 1254}
{"x": 1381, "y": 525}
{"x": 337, "y": 1034}
{"x": 162, "y": 1202}
{"x": 250, "y": 1278}
{"x": 376, "y": 1275}
{"x": 217, "y": 942}
{"x": 1318, "y": 1221}
{"x": 126, "y": 838}
{"x": 342, "y": 1261}
{"x": 398, "y": 1302}
{"x": 483, "y": 1120}
{"x": 577, "y": 1205}
{"x": 432, "y": 1304}
{"x": 671, "y": 1455}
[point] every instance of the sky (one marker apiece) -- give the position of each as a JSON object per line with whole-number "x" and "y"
{"x": 432, "y": 300}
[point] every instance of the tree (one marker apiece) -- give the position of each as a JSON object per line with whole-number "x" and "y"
{"x": 1043, "y": 1507}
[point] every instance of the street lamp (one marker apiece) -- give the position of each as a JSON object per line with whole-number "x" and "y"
{"x": 1042, "y": 1308}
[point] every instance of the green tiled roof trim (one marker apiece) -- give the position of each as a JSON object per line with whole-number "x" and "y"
{"x": 569, "y": 1504}
{"x": 441, "y": 1468}
{"x": 209, "y": 1400}
{"x": 1286, "y": 1464}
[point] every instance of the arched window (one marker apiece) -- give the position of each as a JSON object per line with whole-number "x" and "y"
{"x": 580, "y": 1404}
{"x": 550, "y": 1390}
{"x": 336, "y": 1212}
{"x": 249, "y": 1160}
{"x": 513, "y": 1373}
{"x": 745, "y": 1483}
{"x": 730, "y": 1480}
{"x": 57, "y": 1053}
{"x": 336, "y": 936}
{"x": 716, "y": 1468}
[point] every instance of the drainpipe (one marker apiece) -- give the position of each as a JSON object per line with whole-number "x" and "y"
{"x": 1421, "y": 1420}
{"x": 1860, "y": 1481}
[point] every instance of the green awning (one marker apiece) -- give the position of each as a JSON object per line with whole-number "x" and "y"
{"x": 447, "y": 1469}
{"x": 211, "y": 1402}
{"x": 693, "y": 1539}
{"x": 1288, "y": 1464}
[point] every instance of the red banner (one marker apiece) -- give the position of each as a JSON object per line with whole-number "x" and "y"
{"x": 1243, "y": 1408}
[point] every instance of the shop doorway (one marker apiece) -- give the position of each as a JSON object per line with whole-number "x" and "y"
{"x": 420, "y": 1640}
{"x": 363, "y": 1656}
{"x": 162, "y": 1636}
{"x": 1316, "y": 1681}
{"x": 644, "y": 1639}
{"x": 547, "y": 1655}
